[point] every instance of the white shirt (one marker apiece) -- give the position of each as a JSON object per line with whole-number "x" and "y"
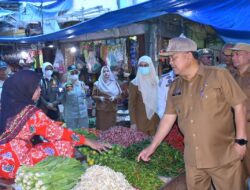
{"x": 1, "y": 88}
{"x": 163, "y": 87}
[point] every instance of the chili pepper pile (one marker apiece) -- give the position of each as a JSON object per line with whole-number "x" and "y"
{"x": 166, "y": 161}
{"x": 138, "y": 176}
{"x": 175, "y": 138}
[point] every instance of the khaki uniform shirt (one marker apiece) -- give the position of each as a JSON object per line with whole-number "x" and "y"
{"x": 106, "y": 105}
{"x": 137, "y": 112}
{"x": 204, "y": 109}
{"x": 244, "y": 82}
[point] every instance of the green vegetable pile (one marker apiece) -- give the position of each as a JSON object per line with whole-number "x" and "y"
{"x": 86, "y": 134}
{"x": 136, "y": 175}
{"x": 166, "y": 161}
{"x": 94, "y": 157}
{"x": 53, "y": 173}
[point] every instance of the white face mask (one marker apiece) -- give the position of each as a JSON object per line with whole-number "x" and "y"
{"x": 73, "y": 77}
{"x": 144, "y": 70}
{"x": 48, "y": 73}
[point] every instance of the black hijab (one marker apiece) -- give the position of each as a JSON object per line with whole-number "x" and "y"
{"x": 16, "y": 94}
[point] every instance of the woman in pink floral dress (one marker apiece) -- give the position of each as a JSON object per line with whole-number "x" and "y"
{"x": 20, "y": 121}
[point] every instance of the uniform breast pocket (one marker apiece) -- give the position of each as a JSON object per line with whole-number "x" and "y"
{"x": 212, "y": 96}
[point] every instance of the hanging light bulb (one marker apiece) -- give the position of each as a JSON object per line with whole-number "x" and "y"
{"x": 73, "y": 49}
{"x": 24, "y": 54}
{"x": 51, "y": 46}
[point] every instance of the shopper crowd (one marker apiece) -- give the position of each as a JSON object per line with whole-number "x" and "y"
{"x": 211, "y": 103}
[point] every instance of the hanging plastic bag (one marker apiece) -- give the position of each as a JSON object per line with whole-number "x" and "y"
{"x": 59, "y": 62}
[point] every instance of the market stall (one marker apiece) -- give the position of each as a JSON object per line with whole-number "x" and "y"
{"x": 113, "y": 169}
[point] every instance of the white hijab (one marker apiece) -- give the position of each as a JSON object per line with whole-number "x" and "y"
{"x": 110, "y": 87}
{"x": 147, "y": 85}
{"x": 44, "y": 67}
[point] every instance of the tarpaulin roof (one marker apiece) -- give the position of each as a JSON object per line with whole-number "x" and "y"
{"x": 230, "y": 18}
{"x": 4, "y": 12}
{"x": 34, "y": 13}
{"x": 48, "y": 11}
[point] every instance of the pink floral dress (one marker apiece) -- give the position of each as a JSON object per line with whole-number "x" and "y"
{"x": 19, "y": 151}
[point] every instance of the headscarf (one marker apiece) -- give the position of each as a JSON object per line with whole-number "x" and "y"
{"x": 44, "y": 67}
{"x": 147, "y": 85}
{"x": 110, "y": 87}
{"x": 17, "y": 93}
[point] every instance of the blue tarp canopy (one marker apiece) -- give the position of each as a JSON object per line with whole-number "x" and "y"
{"x": 46, "y": 15}
{"x": 4, "y": 12}
{"x": 230, "y": 18}
{"x": 48, "y": 11}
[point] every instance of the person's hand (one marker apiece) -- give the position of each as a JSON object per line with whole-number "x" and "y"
{"x": 51, "y": 106}
{"x": 146, "y": 153}
{"x": 101, "y": 98}
{"x": 99, "y": 146}
{"x": 112, "y": 98}
{"x": 241, "y": 150}
{"x": 133, "y": 126}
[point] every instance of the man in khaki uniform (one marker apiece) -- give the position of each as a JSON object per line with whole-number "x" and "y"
{"x": 202, "y": 98}
{"x": 241, "y": 60}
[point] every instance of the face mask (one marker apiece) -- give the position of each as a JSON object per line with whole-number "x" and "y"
{"x": 48, "y": 73}
{"x": 73, "y": 77}
{"x": 144, "y": 70}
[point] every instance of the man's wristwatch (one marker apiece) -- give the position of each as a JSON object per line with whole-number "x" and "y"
{"x": 241, "y": 141}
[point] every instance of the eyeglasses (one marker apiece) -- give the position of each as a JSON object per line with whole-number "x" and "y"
{"x": 74, "y": 72}
{"x": 238, "y": 53}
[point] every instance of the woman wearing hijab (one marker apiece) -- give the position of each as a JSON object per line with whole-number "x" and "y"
{"x": 74, "y": 100}
{"x": 20, "y": 121}
{"x": 50, "y": 92}
{"x": 143, "y": 97}
{"x": 106, "y": 91}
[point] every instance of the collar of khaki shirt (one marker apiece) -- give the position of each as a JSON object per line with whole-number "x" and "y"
{"x": 200, "y": 72}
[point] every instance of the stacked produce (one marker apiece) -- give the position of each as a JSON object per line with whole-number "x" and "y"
{"x": 122, "y": 135}
{"x": 175, "y": 138}
{"x": 63, "y": 173}
{"x": 53, "y": 173}
{"x": 96, "y": 132}
{"x": 165, "y": 161}
{"x": 94, "y": 157}
{"x": 87, "y": 133}
{"x": 138, "y": 176}
{"x": 102, "y": 177}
